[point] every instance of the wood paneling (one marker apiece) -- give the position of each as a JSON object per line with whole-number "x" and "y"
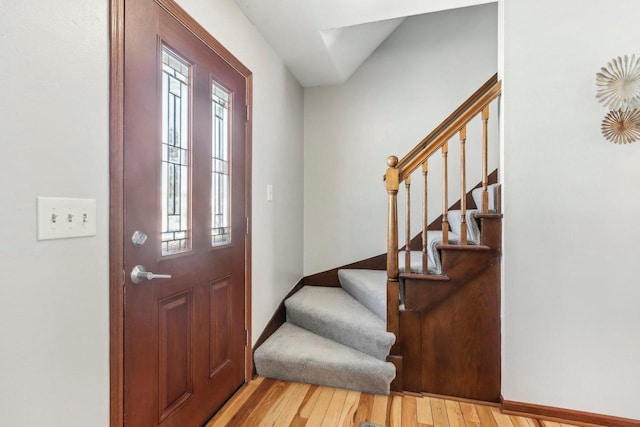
{"x": 459, "y": 335}
{"x": 175, "y": 352}
{"x": 411, "y": 327}
{"x": 220, "y": 320}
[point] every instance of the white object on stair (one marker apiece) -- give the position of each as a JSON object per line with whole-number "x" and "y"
{"x": 492, "y": 192}
{"x": 473, "y": 229}
{"x": 434, "y": 238}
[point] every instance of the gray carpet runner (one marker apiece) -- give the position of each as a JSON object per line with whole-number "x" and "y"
{"x": 295, "y": 354}
{"x": 334, "y": 336}
{"x": 334, "y": 314}
{"x": 367, "y": 286}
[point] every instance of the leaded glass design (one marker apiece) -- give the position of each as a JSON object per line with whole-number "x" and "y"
{"x": 176, "y": 234}
{"x": 220, "y": 179}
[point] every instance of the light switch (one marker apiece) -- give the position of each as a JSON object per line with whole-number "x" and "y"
{"x": 61, "y": 218}
{"x": 269, "y": 192}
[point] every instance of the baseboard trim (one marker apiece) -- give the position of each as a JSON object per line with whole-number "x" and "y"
{"x": 559, "y": 414}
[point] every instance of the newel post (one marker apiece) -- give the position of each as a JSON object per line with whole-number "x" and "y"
{"x": 392, "y": 180}
{"x": 393, "y": 290}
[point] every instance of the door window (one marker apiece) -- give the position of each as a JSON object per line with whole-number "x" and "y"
{"x": 220, "y": 178}
{"x": 175, "y": 153}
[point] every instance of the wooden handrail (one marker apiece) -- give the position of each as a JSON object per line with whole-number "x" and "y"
{"x": 447, "y": 122}
{"x": 448, "y": 132}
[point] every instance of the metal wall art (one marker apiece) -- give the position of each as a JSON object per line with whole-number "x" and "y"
{"x": 618, "y": 88}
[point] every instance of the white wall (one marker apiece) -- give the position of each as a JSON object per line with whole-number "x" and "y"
{"x": 414, "y": 80}
{"x": 54, "y": 119}
{"x": 571, "y": 202}
{"x": 54, "y": 327}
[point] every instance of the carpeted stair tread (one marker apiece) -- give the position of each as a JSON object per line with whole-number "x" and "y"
{"x": 295, "y": 354}
{"x": 333, "y": 313}
{"x": 369, "y": 287}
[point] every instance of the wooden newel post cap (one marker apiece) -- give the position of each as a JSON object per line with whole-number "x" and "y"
{"x": 392, "y": 161}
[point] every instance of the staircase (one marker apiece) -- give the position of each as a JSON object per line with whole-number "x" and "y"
{"x": 334, "y": 336}
{"x": 430, "y": 323}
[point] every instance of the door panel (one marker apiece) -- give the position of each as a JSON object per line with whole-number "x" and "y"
{"x": 184, "y": 336}
{"x": 175, "y": 347}
{"x": 220, "y": 316}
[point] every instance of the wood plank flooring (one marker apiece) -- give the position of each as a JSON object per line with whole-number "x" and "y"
{"x": 267, "y": 402}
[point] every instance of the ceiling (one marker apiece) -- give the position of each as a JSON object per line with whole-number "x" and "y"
{"x": 324, "y": 41}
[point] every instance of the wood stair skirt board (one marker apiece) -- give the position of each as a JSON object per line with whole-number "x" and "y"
{"x": 563, "y": 415}
{"x": 449, "y": 341}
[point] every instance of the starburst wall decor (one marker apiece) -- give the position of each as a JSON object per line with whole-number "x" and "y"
{"x": 618, "y": 88}
{"x": 621, "y": 126}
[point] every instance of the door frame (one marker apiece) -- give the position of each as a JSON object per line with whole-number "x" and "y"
{"x": 116, "y": 192}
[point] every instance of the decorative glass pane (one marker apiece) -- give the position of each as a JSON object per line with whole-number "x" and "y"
{"x": 175, "y": 153}
{"x": 220, "y": 179}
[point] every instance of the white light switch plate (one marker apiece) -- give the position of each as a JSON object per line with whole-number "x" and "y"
{"x": 61, "y": 218}
{"x": 269, "y": 192}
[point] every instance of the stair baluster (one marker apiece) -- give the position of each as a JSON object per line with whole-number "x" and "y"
{"x": 407, "y": 248}
{"x": 445, "y": 194}
{"x": 425, "y": 219}
{"x": 463, "y": 187}
{"x": 485, "y": 162}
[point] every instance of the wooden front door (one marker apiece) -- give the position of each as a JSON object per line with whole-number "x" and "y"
{"x": 185, "y": 216}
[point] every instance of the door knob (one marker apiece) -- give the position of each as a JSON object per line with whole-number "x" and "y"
{"x": 140, "y": 274}
{"x": 138, "y": 238}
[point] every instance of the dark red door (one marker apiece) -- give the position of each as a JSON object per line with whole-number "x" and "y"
{"x": 185, "y": 217}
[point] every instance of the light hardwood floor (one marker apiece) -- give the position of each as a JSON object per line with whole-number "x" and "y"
{"x": 268, "y": 402}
